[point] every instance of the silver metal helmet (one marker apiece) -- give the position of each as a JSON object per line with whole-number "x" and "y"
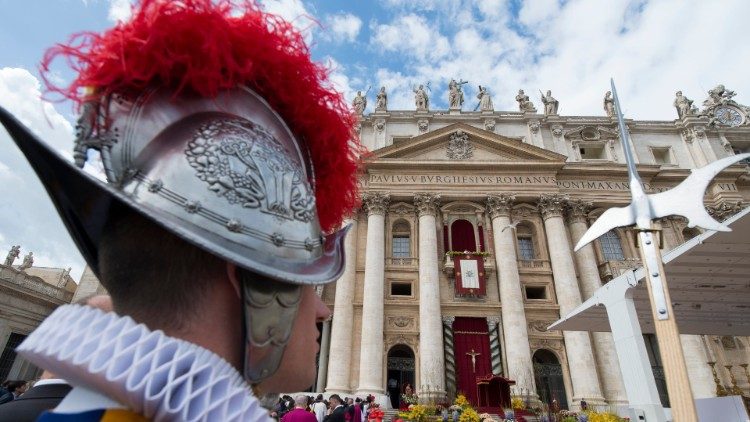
{"x": 224, "y": 173}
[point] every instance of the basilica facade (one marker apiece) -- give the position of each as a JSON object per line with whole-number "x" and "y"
{"x": 462, "y": 253}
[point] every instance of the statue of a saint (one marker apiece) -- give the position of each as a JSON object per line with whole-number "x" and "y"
{"x": 455, "y": 94}
{"x": 719, "y": 96}
{"x": 550, "y": 104}
{"x": 421, "y": 100}
{"x": 683, "y": 104}
{"x": 359, "y": 103}
{"x": 14, "y": 252}
{"x": 524, "y": 104}
{"x": 609, "y": 104}
{"x": 485, "y": 100}
{"x": 381, "y": 103}
{"x": 28, "y": 261}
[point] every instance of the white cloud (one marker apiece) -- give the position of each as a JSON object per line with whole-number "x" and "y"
{"x": 412, "y": 36}
{"x": 27, "y": 216}
{"x": 652, "y": 49}
{"x": 344, "y": 27}
{"x": 119, "y": 10}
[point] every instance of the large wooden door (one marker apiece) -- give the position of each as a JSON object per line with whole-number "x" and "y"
{"x": 471, "y": 345}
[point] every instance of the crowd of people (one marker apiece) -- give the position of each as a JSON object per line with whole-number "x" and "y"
{"x": 304, "y": 408}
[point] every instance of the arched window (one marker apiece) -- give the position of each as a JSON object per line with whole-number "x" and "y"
{"x": 525, "y": 242}
{"x": 611, "y": 247}
{"x": 462, "y": 236}
{"x": 401, "y": 241}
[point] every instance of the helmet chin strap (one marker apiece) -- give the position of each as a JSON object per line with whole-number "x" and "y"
{"x": 269, "y": 308}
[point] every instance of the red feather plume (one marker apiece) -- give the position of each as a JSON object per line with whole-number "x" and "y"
{"x": 205, "y": 46}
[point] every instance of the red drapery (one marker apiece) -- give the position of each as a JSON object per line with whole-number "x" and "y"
{"x": 471, "y": 334}
{"x": 462, "y": 236}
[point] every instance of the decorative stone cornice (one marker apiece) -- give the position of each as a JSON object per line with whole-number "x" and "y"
{"x": 500, "y": 205}
{"x": 426, "y": 203}
{"x": 552, "y": 205}
{"x": 725, "y": 210}
{"x": 375, "y": 202}
{"x": 578, "y": 210}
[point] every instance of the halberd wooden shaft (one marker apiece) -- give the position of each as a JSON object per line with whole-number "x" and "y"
{"x": 668, "y": 338}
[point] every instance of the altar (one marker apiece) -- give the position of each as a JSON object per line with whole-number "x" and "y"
{"x": 493, "y": 393}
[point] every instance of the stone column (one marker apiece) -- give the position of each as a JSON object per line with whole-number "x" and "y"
{"x": 581, "y": 361}
{"x": 450, "y": 357}
{"x": 325, "y": 343}
{"x": 701, "y": 378}
{"x": 340, "y": 356}
{"x": 518, "y": 356}
{"x": 431, "y": 360}
{"x": 371, "y": 345}
{"x": 588, "y": 271}
{"x": 493, "y": 324}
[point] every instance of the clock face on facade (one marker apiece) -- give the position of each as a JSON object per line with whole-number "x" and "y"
{"x": 729, "y": 116}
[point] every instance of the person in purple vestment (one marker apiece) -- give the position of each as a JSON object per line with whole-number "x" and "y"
{"x": 299, "y": 413}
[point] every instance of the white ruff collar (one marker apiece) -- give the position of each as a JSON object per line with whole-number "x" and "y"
{"x": 159, "y": 377}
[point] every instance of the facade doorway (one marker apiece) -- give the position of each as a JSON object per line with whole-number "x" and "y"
{"x": 548, "y": 375}
{"x": 400, "y": 372}
{"x": 471, "y": 345}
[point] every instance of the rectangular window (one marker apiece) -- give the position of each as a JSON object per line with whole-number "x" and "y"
{"x": 536, "y": 292}
{"x": 592, "y": 152}
{"x": 401, "y": 247}
{"x": 526, "y": 248}
{"x": 9, "y": 354}
{"x": 662, "y": 155}
{"x": 400, "y": 289}
{"x": 611, "y": 247}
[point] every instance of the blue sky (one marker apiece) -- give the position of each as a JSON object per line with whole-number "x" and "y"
{"x": 652, "y": 48}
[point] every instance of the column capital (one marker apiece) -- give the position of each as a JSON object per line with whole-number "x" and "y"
{"x": 552, "y": 205}
{"x": 500, "y": 205}
{"x": 448, "y": 320}
{"x": 493, "y": 322}
{"x": 578, "y": 210}
{"x": 426, "y": 203}
{"x": 376, "y": 202}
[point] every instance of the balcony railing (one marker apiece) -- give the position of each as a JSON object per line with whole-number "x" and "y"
{"x": 615, "y": 267}
{"x": 402, "y": 261}
{"x": 534, "y": 264}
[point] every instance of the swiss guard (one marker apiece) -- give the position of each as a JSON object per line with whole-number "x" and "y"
{"x": 230, "y": 163}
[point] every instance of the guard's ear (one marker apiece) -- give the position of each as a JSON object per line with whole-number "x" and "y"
{"x": 232, "y": 277}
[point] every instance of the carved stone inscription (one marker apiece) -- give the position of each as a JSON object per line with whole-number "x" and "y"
{"x": 514, "y": 180}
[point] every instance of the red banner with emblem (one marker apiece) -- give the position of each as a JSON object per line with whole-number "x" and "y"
{"x": 470, "y": 275}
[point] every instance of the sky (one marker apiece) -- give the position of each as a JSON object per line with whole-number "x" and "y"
{"x": 651, "y": 48}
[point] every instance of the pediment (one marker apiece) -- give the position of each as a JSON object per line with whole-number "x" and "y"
{"x": 445, "y": 144}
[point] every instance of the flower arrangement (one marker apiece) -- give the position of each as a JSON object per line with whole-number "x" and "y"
{"x": 409, "y": 399}
{"x": 476, "y": 253}
{"x": 416, "y": 413}
{"x": 517, "y": 403}
{"x": 468, "y": 415}
{"x": 462, "y": 402}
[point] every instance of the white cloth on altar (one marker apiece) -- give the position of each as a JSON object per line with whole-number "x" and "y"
{"x": 469, "y": 274}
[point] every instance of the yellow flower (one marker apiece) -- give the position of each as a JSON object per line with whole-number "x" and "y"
{"x": 468, "y": 415}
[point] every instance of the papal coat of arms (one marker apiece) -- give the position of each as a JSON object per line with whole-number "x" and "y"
{"x": 459, "y": 147}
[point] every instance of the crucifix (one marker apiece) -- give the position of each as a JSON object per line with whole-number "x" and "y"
{"x": 473, "y": 355}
